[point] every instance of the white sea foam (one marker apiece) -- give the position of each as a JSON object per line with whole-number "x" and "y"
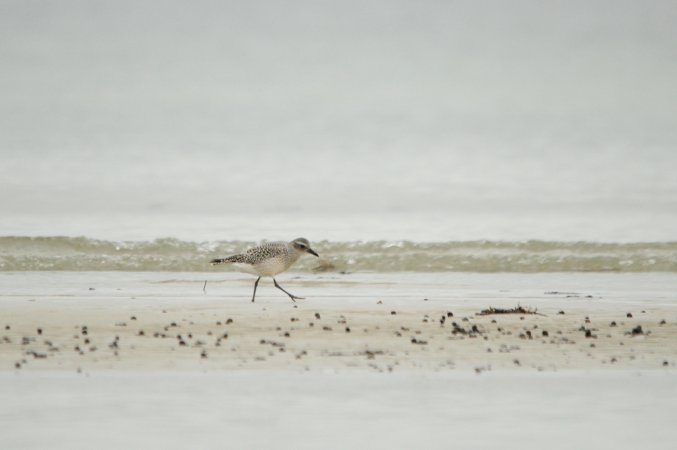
{"x": 63, "y": 253}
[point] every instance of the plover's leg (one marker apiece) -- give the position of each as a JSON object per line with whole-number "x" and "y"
{"x": 291, "y": 296}
{"x": 255, "y": 285}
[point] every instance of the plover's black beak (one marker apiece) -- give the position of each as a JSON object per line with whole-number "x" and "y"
{"x": 312, "y": 252}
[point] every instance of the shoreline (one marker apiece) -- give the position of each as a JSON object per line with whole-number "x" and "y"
{"x": 332, "y": 389}
{"x": 122, "y": 321}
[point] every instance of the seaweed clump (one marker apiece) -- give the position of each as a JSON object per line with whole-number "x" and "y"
{"x": 516, "y": 310}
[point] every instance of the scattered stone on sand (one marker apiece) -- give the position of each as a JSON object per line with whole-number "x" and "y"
{"x": 637, "y": 331}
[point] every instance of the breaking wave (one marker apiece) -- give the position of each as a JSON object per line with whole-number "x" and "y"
{"x": 84, "y": 254}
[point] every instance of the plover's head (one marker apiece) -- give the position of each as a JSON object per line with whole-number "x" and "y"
{"x": 302, "y": 245}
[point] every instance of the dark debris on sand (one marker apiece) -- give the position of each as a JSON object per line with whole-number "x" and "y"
{"x": 515, "y": 310}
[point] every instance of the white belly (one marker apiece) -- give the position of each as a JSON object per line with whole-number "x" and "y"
{"x": 268, "y": 268}
{"x": 271, "y": 267}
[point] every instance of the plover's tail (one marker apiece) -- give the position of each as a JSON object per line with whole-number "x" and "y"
{"x": 230, "y": 259}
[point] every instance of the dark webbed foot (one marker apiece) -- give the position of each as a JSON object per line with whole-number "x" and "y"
{"x": 291, "y": 296}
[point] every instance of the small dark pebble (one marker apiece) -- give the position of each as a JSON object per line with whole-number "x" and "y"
{"x": 229, "y": 321}
{"x": 450, "y": 314}
{"x": 132, "y": 318}
{"x": 7, "y": 327}
{"x": 612, "y": 324}
{"x": 665, "y": 364}
{"x": 203, "y": 354}
{"x": 141, "y": 333}
{"x": 637, "y": 330}
{"x": 392, "y": 313}
{"x": 173, "y": 324}
{"x": 286, "y": 334}
{"x": 17, "y": 365}
{"x": 561, "y": 313}
{"x": 326, "y": 328}
{"x": 39, "y": 330}
{"x": 317, "y": 316}
{"x": 629, "y": 315}
{"x": 347, "y": 329}
{"x": 545, "y": 333}
{"x": 663, "y": 322}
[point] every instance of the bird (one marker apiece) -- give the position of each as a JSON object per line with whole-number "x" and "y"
{"x": 268, "y": 260}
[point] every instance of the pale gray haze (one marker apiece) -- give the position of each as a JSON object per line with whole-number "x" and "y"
{"x": 426, "y": 120}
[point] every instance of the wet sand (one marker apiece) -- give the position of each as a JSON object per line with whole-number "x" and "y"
{"x": 380, "y": 361}
{"x": 391, "y": 322}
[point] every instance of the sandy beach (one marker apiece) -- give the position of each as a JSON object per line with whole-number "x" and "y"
{"x": 489, "y": 191}
{"x": 383, "y": 349}
{"x": 382, "y": 322}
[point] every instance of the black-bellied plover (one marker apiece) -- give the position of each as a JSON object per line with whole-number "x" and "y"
{"x": 269, "y": 259}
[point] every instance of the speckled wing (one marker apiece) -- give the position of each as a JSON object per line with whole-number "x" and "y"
{"x": 267, "y": 259}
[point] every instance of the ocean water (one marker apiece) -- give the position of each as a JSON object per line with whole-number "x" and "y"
{"x": 439, "y": 135}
